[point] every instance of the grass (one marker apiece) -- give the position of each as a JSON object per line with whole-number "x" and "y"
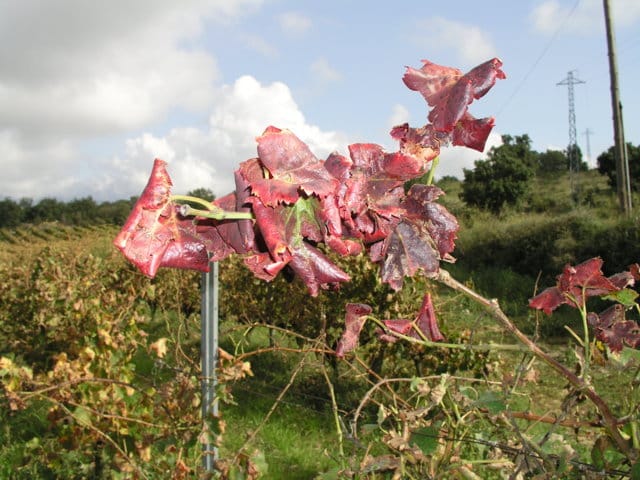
{"x": 298, "y": 439}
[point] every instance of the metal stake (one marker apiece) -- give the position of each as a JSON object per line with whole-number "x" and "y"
{"x": 209, "y": 357}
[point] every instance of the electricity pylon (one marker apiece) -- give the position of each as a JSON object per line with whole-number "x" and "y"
{"x": 572, "y": 149}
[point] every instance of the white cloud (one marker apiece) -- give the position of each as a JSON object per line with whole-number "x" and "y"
{"x": 323, "y": 72}
{"x": 71, "y": 71}
{"x": 454, "y": 159}
{"x": 208, "y": 157}
{"x": 260, "y": 45}
{"x": 470, "y": 43}
{"x": 294, "y": 23}
{"x": 32, "y": 169}
{"x": 399, "y": 115}
{"x": 550, "y": 15}
{"x": 86, "y": 67}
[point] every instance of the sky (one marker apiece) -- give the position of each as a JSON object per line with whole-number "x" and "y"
{"x": 92, "y": 92}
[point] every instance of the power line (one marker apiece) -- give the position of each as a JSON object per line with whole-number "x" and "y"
{"x": 538, "y": 59}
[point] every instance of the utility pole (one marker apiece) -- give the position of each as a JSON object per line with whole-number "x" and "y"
{"x": 572, "y": 149}
{"x": 622, "y": 162}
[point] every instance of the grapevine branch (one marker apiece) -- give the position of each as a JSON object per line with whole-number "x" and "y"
{"x": 609, "y": 420}
{"x": 288, "y": 202}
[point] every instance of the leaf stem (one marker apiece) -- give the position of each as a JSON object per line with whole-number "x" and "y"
{"x": 587, "y": 341}
{"x": 211, "y": 210}
{"x": 432, "y": 170}
{"x": 456, "y": 346}
{"x": 201, "y": 201}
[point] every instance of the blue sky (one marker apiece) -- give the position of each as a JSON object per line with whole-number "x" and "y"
{"x": 92, "y": 92}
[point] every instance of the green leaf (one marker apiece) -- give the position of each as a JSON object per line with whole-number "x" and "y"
{"x": 627, "y": 356}
{"x": 368, "y": 428}
{"x": 491, "y": 401}
{"x": 626, "y": 297}
{"x": 333, "y": 474}
{"x": 82, "y": 416}
{"x": 382, "y": 414}
{"x": 426, "y": 439}
{"x": 635, "y": 471}
{"x": 260, "y": 462}
{"x": 469, "y": 392}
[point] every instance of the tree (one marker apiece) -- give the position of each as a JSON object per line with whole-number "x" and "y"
{"x": 11, "y": 213}
{"x": 579, "y": 164}
{"x": 503, "y": 178}
{"x": 47, "y": 209}
{"x": 607, "y": 165}
{"x": 553, "y": 162}
{"x": 204, "y": 193}
{"x": 518, "y": 147}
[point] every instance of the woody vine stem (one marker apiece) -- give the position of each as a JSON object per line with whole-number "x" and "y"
{"x": 609, "y": 420}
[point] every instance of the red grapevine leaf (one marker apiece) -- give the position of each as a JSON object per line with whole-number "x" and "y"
{"x": 450, "y": 93}
{"x": 292, "y": 167}
{"x": 427, "y": 322}
{"x": 547, "y": 301}
{"x": 586, "y": 277}
{"x": 425, "y": 236}
{"x": 315, "y": 269}
{"x": 612, "y": 315}
{"x": 472, "y": 132}
{"x": 225, "y": 237}
{"x": 620, "y": 334}
{"x": 635, "y": 271}
{"x": 574, "y": 286}
{"x": 154, "y": 236}
{"x": 406, "y": 250}
{"x": 425, "y": 325}
{"x": 612, "y": 328}
{"x": 369, "y": 198}
{"x": 354, "y": 321}
{"x": 432, "y": 81}
{"x": 622, "y": 280}
{"x": 286, "y": 230}
{"x": 262, "y": 265}
{"x": 441, "y": 224}
{"x": 399, "y": 325}
{"x": 338, "y": 166}
{"x": 421, "y": 143}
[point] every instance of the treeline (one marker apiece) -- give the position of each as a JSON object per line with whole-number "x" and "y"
{"x": 81, "y": 211}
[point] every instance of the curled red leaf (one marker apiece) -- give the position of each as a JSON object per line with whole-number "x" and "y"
{"x": 154, "y": 236}
{"x": 355, "y": 318}
{"x": 450, "y": 93}
{"x": 292, "y": 168}
{"x": 426, "y": 322}
{"x": 425, "y": 325}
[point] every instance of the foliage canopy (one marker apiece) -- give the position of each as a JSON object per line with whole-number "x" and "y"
{"x": 503, "y": 178}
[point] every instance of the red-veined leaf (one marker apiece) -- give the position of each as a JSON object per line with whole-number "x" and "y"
{"x": 450, "y": 93}
{"x": 427, "y": 322}
{"x": 355, "y": 318}
{"x": 154, "y": 236}
{"x": 292, "y": 168}
{"x": 574, "y": 286}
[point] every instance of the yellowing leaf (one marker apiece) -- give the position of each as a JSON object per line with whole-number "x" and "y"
{"x": 159, "y": 347}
